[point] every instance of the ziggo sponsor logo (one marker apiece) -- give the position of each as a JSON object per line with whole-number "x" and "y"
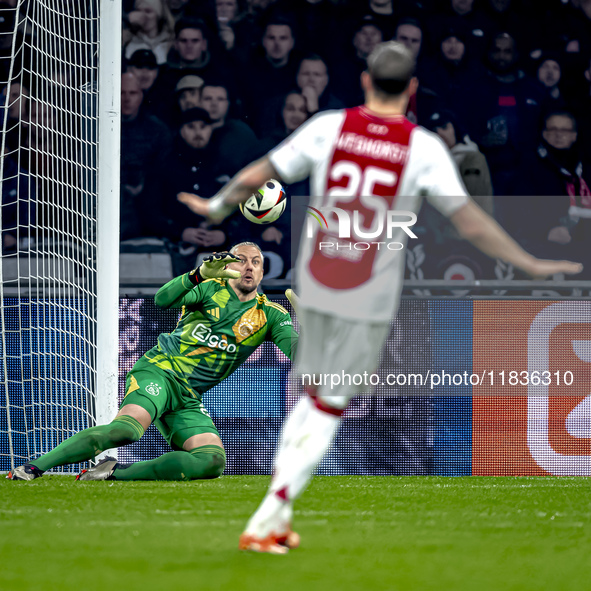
{"x": 204, "y": 334}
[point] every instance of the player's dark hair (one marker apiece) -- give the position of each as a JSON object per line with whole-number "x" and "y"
{"x": 391, "y": 66}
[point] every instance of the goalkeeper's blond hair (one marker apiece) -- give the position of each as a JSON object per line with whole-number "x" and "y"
{"x": 233, "y": 249}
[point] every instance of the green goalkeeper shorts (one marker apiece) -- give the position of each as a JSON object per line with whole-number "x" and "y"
{"x": 176, "y": 415}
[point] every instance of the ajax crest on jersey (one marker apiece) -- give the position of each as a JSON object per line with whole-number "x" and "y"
{"x": 266, "y": 205}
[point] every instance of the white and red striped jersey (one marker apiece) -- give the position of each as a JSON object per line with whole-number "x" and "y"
{"x": 366, "y": 165}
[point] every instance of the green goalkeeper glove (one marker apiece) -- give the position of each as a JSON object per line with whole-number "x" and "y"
{"x": 214, "y": 267}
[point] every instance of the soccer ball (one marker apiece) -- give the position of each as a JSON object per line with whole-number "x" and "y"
{"x": 266, "y": 205}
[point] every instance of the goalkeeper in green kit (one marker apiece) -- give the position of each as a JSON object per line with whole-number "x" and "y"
{"x": 223, "y": 321}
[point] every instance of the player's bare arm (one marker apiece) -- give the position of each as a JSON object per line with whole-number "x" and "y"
{"x": 482, "y": 231}
{"x": 237, "y": 191}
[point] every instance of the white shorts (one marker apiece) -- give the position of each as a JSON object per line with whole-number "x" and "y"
{"x": 334, "y": 345}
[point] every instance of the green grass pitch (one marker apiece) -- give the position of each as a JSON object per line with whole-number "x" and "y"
{"x": 391, "y": 533}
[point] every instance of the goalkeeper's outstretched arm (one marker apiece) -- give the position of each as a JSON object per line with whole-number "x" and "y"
{"x": 180, "y": 291}
{"x": 237, "y": 191}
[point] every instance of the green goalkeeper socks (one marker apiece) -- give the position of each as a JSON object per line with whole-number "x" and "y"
{"x": 207, "y": 461}
{"x": 90, "y": 442}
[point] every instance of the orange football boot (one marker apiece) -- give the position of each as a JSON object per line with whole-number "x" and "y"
{"x": 290, "y": 540}
{"x": 269, "y": 545}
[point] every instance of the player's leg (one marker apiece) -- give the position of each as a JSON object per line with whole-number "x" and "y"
{"x": 137, "y": 411}
{"x": 128, "y": 426}
{"x": 134, "y": 417}
{"x": 311, "y": 426}
{"x": 307, "y": 435}
{"x": 86, "y": 445}
{"x": 188, "y": 428}
{"x": 205, "y": 459}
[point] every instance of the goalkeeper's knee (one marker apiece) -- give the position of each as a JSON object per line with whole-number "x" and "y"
{"x": 207, "y": 461}
{"x": 121, "y": 431}
{"x": 126, "y": 429}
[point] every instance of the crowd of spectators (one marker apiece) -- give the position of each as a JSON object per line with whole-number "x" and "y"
{"x": 209, "y": 85}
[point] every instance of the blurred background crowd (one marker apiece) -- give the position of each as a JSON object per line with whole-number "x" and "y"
{"x": 209, "y": 85}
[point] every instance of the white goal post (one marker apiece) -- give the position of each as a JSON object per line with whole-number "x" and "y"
{"x": 60, "y": 76}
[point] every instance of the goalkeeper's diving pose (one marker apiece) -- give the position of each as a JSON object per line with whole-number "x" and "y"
{"x": 223, "y": 321}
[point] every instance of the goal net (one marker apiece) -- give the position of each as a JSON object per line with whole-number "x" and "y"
{"x": 59, "y": 75}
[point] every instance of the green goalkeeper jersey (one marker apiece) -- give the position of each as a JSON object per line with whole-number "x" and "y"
{"x": 216, "y": 331}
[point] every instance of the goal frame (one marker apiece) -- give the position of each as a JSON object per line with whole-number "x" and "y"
{"x": 108, "y": 224}
{"x": 104, "y": 150}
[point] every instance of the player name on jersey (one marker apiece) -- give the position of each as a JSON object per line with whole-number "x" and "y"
{"x": 360, "y": 166}
{"x": 363, "y": 166}
{"x": 377, "y": 149}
